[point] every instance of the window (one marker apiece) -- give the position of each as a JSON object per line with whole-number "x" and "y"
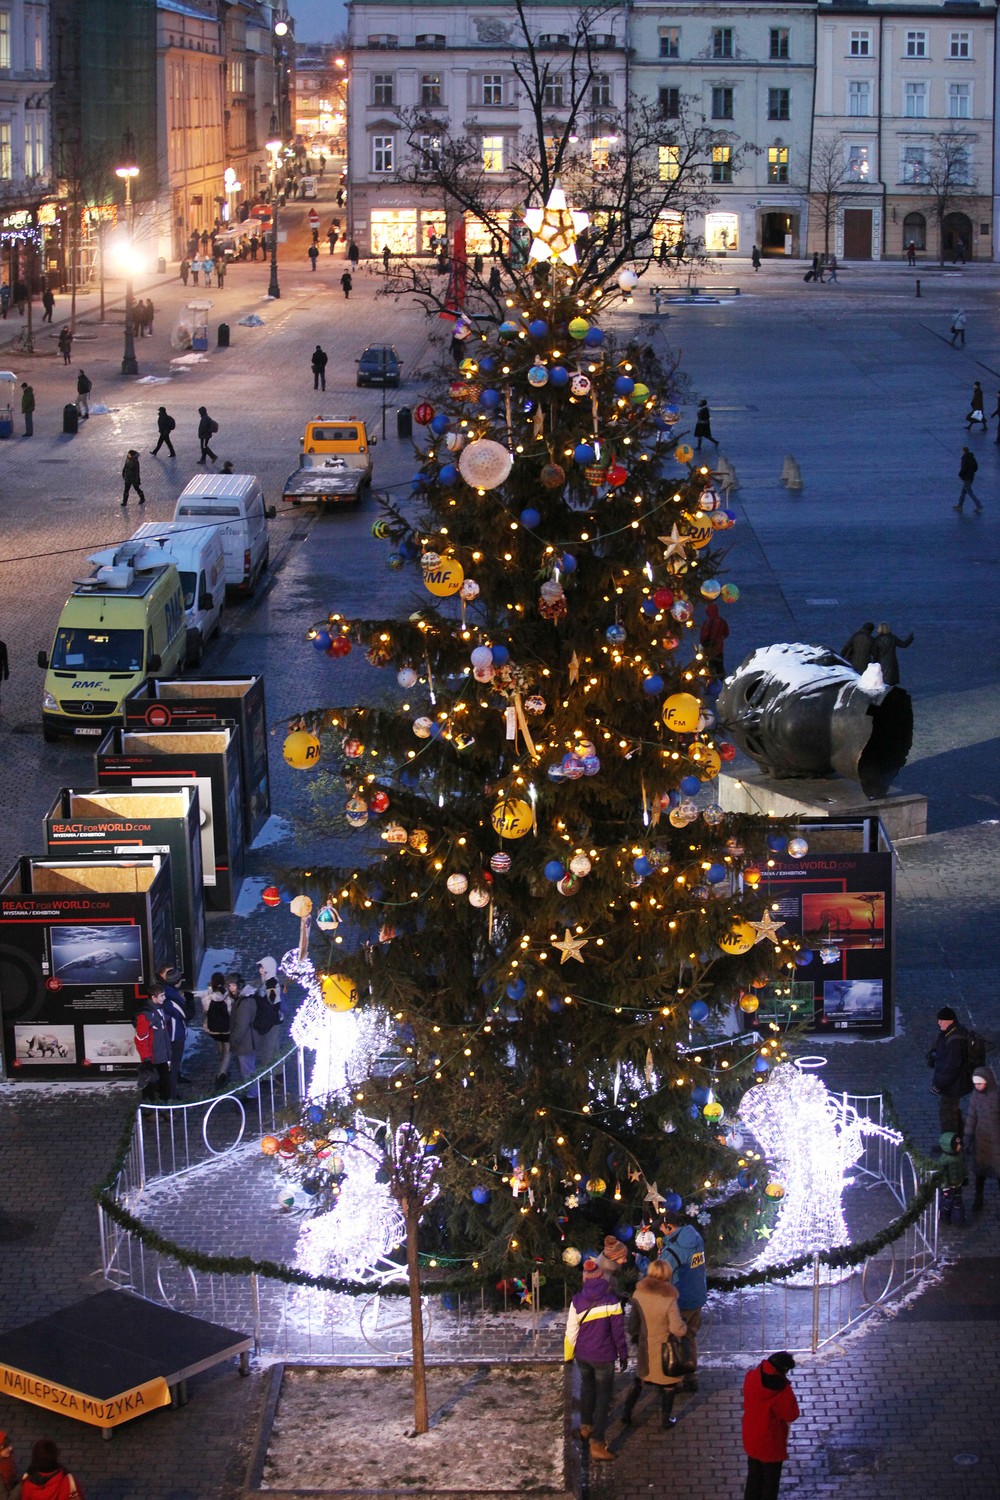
{"x": 858, "y": 164}
{"x": 959, "y": 44}
{"x": 382, "y": 88}
{"x": 670, "y": 41}
{"x": 722, "y": 104}
{"x": 779, "y": 42}
{"x": 552, "y": 93}
{"x": 961, "y": 165}
{"x": 600, "y": 152}
{"x": 600, "y": 91}
{"x": 670, "y": 104}
{"x": 237, "y": 76}
{"x": 383, "y": 152}
{"x": 430, "y": 153}
{"x": 34, "y": 144}
{"x": 915, "y": 231}
{"x": 382, "y": 41}
{"x": 493, "y": 88}
{"x": 859, "y": 97}
{"x": 959, "y": 101}
{"x": 430, "y": 39}
{"x": 492, "y": 153}
{"x": 5, "y": 42}
{"x": 861, "y": 44}
{"x": 777, "y": 163}
{"x": 914, "y": 164}
{"x": 916, "y": 44}
{"x": 722, "y": 41}
{"x": 6, "y": 166}
{"x": 722, "y": 163}
{"x": 670, "y": 163}
{"x": 915, "y": 101}
{"x": 430, "y": 89}
{"x": 777, "y": 104}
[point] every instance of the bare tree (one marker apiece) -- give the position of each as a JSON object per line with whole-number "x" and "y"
{"x": 946, "y": 176}
{"x": 88, "y": 173}
{"x": 831, "y": 185}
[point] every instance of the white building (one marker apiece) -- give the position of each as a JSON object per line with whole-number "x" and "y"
{"x": 25, "y": 173}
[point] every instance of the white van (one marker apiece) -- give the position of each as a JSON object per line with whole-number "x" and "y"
{"x": 197, "y": 553}
{"x": 234, "y": 502}
{"x": 308, "y": 187}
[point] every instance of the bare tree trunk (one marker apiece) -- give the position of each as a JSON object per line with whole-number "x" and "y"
{"x": 420, "y": 1418}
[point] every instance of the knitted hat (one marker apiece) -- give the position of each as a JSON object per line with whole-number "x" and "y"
{"x": 591, "y": 1270}
{"x": 615, "y": 1250}
{"x": 946, "y": 1014}
{"x": 782, "y": 1361}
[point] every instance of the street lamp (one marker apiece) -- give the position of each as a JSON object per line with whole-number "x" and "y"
{"x": 130, "y": 365}
{"x": 274, "y": 146}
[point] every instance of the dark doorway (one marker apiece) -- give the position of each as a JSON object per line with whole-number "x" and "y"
{"x": 857, "y": 234}
{"x": 957, "y": 237}
{"x": 773, "y": 229}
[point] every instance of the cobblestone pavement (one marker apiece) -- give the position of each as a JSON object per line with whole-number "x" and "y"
{"x": 859, "y": 383}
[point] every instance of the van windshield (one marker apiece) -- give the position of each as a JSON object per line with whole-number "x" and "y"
{"x": 189, "y": 587}
{"x": 97, "y": 651}
{"x": 192, "y": 508}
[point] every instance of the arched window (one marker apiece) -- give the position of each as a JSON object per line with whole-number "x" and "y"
{"x": 915, "y": 229}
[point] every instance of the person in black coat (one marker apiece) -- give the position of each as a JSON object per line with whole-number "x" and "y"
{"x": 858, "y": 650}
{"x": 703, "y": 424}
{"x": 319, "y": 363}
{"x": 347, "y": 283}
{"x": 165, "y": 425}
{"x": 884, "y": 648}
{"x": 130, "y": 474}
{"x": 206, "y": 431}
{"x": 951, "y": 1080}
{"x": 976, "y": 412}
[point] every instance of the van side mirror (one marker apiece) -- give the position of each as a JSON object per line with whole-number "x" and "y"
{"x": 43, "y": 659}
{"x": 154, "y": 664}
{"x": 270, "y": 512}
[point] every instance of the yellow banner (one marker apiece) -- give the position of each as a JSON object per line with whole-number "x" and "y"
{"x": 109, "y": 1413}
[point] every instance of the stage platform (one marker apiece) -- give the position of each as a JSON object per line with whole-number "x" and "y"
{"x": 112, "y": 1357}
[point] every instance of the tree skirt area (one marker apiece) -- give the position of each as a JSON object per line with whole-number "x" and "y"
{"x": 494, "y": 1429}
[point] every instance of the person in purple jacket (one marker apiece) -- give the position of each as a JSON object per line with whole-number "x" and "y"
{"x": 595, "y": 1337}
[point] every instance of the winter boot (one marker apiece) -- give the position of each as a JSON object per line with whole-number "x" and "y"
{"x": 600, "y": 1450}
{"x": 634, "y": 1392}
{"x": 977, "y": 1201}
{"x": 666, "y": 1408}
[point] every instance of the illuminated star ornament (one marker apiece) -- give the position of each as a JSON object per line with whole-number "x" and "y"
{"x": 674, "y": 543}
{"x": 767, "y": 927}
{"x": 656, "y": 1198}
{"x": 555, "y": 228}
{"x": 571, "y": 947}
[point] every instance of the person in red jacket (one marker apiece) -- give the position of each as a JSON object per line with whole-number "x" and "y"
{"x": 46, "y": 1479}
{"x": 769, "y": 1409}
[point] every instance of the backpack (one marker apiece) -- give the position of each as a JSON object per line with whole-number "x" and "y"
{"x": 86, "y": 385}
{"x": 975, "y": 1050}
{"x": 267, "y": 1013}
{"x": 169, "y": 424}
{"x": 215, "y": 427}
{"x": 217, "y": 1017}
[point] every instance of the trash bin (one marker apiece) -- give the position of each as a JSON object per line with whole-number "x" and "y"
{"x": 223, "y": 335}
{"x": 161, "y": 266}
{"x": 404, "y": 422}
{"x": 71, "y": 418}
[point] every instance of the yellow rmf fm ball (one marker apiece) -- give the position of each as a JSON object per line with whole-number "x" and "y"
{"x": 301, "y": 749}
{"x": 681, "y": 713}
{"x": 445, "y": 578}
{"x": 740, "y": 940}
{"x": 339, "y": 992}
{"x": 512, "y": 818}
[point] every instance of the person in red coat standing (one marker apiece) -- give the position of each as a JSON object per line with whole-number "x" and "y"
{"x": 769, "y": 1409}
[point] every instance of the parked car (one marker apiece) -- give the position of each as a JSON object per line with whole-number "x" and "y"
{"x": 379, "y": 365}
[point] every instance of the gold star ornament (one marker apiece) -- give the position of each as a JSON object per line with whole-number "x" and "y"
{"x": 571, "y": 947}
{"x": 767, "y": 927}
{"x": 555, "y": 228}
{"x": 675, "y": 544}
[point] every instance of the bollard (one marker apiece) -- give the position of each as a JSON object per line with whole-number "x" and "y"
{"x": 918, "y": 286}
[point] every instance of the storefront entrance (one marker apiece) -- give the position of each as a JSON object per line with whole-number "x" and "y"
{"x": 779, "y": 233}
{"x": 857, "y": 234}
{"x": 957, "y": 232}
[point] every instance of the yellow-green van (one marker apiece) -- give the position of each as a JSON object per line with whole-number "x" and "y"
{"x": 119, "y": 627}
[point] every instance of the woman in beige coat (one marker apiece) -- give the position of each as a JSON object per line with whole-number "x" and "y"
{"x": 653, "y": 1315}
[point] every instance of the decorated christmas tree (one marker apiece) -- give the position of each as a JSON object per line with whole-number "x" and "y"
{"x": 547, "y": 906}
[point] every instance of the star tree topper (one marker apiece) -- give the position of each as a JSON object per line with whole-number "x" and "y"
{"x": 555, "y": 228}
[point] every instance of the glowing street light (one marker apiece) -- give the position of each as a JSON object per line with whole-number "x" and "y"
{"x": 128, "y": 172}
{"x": 274, "y": 146}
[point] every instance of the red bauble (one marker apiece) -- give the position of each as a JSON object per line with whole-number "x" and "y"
{"x": 378, "y": 801}
{"x": 423, "y": 413}
{"x": 726, "y": 750}
{"x": 339, "y": 646}
{"x": 617, "y": 475}
{"x": 663, "y": 598}
{"x": 271, "y": 896}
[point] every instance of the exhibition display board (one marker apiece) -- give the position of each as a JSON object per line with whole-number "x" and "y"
{"x": 84, "y": 823}
{"x": 186, "y": 704}
{"x": 208, "y": 759}
{"x": 79, "y": 943}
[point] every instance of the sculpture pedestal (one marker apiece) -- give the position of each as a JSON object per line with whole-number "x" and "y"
{"x": 903, "y": 814}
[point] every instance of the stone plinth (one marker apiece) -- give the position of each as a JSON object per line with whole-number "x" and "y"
{"x": 903, "y": 814}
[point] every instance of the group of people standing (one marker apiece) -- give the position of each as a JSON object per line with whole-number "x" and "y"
{"x": 869, "y": 644}
{"x": 960, "y": 1071}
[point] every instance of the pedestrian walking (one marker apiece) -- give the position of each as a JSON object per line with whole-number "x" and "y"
{"x": 208, "y": 266}
{"x": 477, "y": 264}
{"x": 967, "y": 470}
{"x": 152, "y": 1042}
{"x": 353, "y": 253}
{"x": 884, "y": 648}
{"x": 612, "y": 1262}
{"x": 254, "y": 246}
{"x": 84, "y": 386}
{"x": 185, "y": 270}
{"x": 319, "y": 364}
{"x": 28, "y": 408}
{"x": 959, "y": 250}
{"x": 48, "y": 302}
{"x": 951, "y": 1079}
{"x": 45, "y": 1478}
{"x": 493, "y": 285}
{"x": 595, "y": 1337}
{"x": 958, "y": 323}
{"x": 952, "y": 1207}
{"x": 769, "y": 1409}
{"x": 20, "y": 297}
{"x": 137, "y": 309}
{"x": 816, "y": 273}
{"x": 755, "y": 257}
{"x": 683, "y": 1249}
{"x": 858, "y": 650}
{"x": 243, "y": 1008}
{"x": 347, "y": 283}
{"x": 831, "y": 266}
{"x": 165, "y": 425}
{"x": 220, "y": 271}
{"x": 130, "y": 474}
{"x": 65, "y": 343}
{"x": 714, "y": 634}
{"x": 176, "y": 1011}
{"x": 217, "y": 1004}
{"x": 207, "y": 428}
{"x": 195, "y": 271}
{"x": 385, "y": 258}
{"x": 148, "y": 320}
{"x": 4, "y": 663}
{"x": 911, "y": 253}
{"x": 653, "y": 1317}
{"x": 4, "y": 299}
{"x": 332, "y": 237}
{"x": 703, "y": 425}
{"x": 313, "y": 253}
{"x": 975, "y": 412}
{"x": 981, "y": 1141}
{"x": 267, "y": 1015}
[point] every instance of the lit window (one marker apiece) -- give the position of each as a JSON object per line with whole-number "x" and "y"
{"x": 34, "y": 144}
{"x": 916, "y": 44}
{"x": 600, "y": 153}
{"x": 670, "y": 163}
{"x": 4, "y": 39}
{"x": 722, "y": 163}
{"x": 493, "y": 88}
{"x": 777, "y": 163}
{"x": 861, "y": 44}
{"x": 383, "y": 153}
{"x": 915, "y": 101}
{"x": 959, "y": 44}
{"x": 430, "y": 90}
{"x": 430, "y": 153}
{"x": 492, "y": 153}
{"x": 959, "y": 101}
{"x": 858, "y": 164}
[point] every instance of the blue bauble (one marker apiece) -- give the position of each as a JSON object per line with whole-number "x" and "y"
{"x": 314, "y": 1114}
{"x": 554, "y": 871}
{"x": 487, "y": 365}
{"x": 591, "y": 765}
{"x": 643, "y": 866}
{"x": 480, "y": 1195}
{"x": 616, "y": 635}
{"x": 490, "y": 399}
{"x": 670, "y": 414}
{"x": 744, "y": 1178}
{"x": 501, "y": 656}
{"x": 804, "y": 958}
{"x": 698, "y": 1012}
{"x": 537, "y": 328}
{"x": 694, "y": 1111}
{"x": 761, "y": 1065}
{"x": 448, "y": 474}
{"x": 649, "y": 608}
{"x": 555, "y": 1003}
{"x": 321, "y": 640}
{"x": 440, "y": 424}
{"x": 417, "y": 482}
{"x": 777, "y": 843}
{"x": 583, "y": 453}
{"x": 715, "y": 873}
{"x": 530, "y": 517}
{"x": 653, "y": 685}
{"x": 394, "y": 562}
{"x": 558, "y": 376}
{"x": 624, "y": 385}
{"x": 409, "y": 548}
{"x": 568, "y": 562}
{"x": 593, "y": 338}
{"x": 624, "y": 1232}
{"x": 700, "y": 1096}
{"x": 690, "y": 786}
{"x": 672, "y": 1202}
{"x": 516, "y": 989}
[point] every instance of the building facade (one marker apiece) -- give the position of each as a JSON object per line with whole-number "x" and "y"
{"x": 26, "y": 210}
{"x": 320, "y": 92}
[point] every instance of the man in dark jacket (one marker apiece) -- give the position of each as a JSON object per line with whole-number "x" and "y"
{"x": 165, "y": 425}
{"x": 206, "y": 431}
{"x": 769, "y": 1409}
{"x": 949, "y": 1057}
{"x": 320, "y": 359}
{"x": 175, "y": 1011}
{"x": 595, "y": 1335}
{"x": 884, "y": 647}
{"x": 858, "y": 650}
{"x": 967, "y": 470}
{"x": 152, "y": 1042}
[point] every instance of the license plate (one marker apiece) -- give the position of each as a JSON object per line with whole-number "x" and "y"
{"x": 96, "y": 730}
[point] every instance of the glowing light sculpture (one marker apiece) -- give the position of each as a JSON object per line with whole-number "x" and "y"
{"x": 555, "y": 229}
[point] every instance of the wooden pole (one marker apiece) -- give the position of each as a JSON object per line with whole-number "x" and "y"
{"x": 420, "y": 1415}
